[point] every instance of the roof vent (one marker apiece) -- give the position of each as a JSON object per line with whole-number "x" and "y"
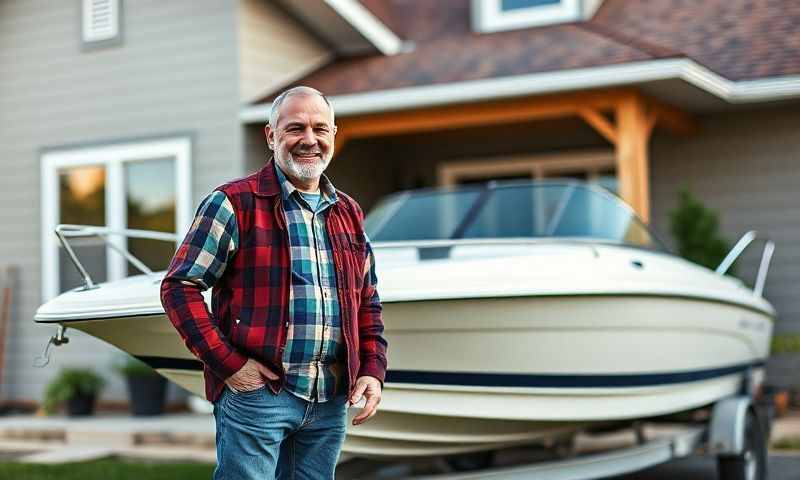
{"x": 100, "y": 20}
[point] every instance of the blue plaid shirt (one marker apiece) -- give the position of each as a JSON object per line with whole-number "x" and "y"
{"x": 314, "y": 354}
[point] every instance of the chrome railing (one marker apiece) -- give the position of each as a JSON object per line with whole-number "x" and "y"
{"x": 65, "y": 231}
{"x": 766, "y": 258}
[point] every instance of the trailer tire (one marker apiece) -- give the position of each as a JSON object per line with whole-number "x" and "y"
{"x": 751, "y": 464}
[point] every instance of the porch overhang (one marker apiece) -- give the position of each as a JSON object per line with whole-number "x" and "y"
{"x": 624, "y": 117}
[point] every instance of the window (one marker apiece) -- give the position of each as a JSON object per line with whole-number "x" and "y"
{"x": 596, "y": 167}
{"x": 139, "y": 185}
{"x": 497, "y": 15}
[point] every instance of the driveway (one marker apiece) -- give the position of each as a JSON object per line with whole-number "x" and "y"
{"x": 781, "y": 467}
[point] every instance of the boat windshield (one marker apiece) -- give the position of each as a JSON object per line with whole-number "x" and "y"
{"x": 530, "y": 210}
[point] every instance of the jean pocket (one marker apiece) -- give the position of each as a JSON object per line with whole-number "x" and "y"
{"x": 244, "y": 393}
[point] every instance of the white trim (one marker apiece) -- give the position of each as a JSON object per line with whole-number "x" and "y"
{"x": 552, "y": 82}
{"x": 489, "y": 16}
{"x": 375, "y": 31}
{"x": 113, "y": 158}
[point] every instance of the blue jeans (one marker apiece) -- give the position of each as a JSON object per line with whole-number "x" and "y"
{"x": 262, "y": 436}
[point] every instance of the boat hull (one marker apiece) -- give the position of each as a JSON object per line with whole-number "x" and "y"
{"x": 469, "y": 374}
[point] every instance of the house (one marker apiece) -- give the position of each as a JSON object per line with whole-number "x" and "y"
{"x": 126, "y": 114}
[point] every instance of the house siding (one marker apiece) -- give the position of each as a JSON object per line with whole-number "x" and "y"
{"x": 745, "y": 165}
{"x": 274, "y": 49}
{"x": 174, "y": 71}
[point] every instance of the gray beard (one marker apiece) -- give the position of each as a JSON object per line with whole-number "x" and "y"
{"x": 303, "y": 172}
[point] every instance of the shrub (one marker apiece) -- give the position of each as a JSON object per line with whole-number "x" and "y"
{"x": 69, "y": 383}
{"x": 695, "y": 228}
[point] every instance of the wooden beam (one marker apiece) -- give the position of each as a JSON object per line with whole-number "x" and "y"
{"x": 675, "y": 120}
{"x": 632, "y": 154}
{"x": 600, "y": 123}
{"x": 479, "y": 114}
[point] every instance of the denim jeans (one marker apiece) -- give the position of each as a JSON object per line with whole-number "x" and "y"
{"x": 262, "y": 436}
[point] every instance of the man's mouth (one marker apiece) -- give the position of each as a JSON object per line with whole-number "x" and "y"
{"x": 307, "y": 156}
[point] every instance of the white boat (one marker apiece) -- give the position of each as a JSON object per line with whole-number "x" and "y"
{"x": 515, "y": 313}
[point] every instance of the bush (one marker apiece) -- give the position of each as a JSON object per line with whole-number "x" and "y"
{"x": 785, "y": 344}
{"x": 695, "y": 228}
{"x": 69, "y": 383}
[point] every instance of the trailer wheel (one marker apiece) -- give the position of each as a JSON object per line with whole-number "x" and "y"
{"x": 751, "y": 464}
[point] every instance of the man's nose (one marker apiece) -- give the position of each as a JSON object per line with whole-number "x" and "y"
{"x": 308, "y": 137}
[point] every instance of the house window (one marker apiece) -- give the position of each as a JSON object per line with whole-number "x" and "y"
{"x": 498, "y": 15}
{"x": 596, "y": 167}
{"x": 138, "y": 185}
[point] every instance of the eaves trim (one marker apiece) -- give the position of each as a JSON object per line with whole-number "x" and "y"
{"x": 748, "y": 91}
{"x": 375, "y": 31}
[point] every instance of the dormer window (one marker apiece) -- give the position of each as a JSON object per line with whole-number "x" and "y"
{"x": 498, "y": 15}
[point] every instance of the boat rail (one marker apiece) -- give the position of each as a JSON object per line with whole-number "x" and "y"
{"x": 766, "y": 258}
{"x": 64, "y": 231}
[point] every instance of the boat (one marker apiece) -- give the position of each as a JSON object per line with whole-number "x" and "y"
{"x": 515, "y": 313}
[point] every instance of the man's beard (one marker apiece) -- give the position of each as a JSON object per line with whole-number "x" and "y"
{"x": 303, "y": 172}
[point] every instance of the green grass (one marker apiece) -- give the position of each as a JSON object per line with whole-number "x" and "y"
{"x": 787, "y": 443}
{"x": 107, "y": 469}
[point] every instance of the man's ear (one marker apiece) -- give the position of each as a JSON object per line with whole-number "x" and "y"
{"x": 270, "y": 134}
{"x": 335, "y": 128}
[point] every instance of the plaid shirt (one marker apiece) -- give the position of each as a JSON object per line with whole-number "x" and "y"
{"x": 251, "y": 283}
{"x": 314, "y": 344}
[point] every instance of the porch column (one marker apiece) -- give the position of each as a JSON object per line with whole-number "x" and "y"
{"x": 633, "y": 135}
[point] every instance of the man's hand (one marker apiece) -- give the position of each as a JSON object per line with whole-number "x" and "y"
{"x": 250, "y": 376}
{"x": 369, "y": 388}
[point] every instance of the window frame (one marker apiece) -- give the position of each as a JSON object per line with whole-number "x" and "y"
{"x": 113, "y": 157}
{"x": 488, "y": 15}
{"x": 539, "y": 167}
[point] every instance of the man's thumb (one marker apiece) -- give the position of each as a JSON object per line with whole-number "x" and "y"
{"x": 267, "y": 372}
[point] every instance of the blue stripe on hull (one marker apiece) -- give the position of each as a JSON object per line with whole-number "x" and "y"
{"x": 516, "y": 380}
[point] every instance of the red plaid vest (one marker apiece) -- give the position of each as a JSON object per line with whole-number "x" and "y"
{"x": 249, "y": 315}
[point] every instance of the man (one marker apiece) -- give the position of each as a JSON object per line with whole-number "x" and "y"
{"x": 295, "y": 334}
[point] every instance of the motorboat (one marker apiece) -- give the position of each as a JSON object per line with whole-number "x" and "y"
{"x": 515, "y": 313}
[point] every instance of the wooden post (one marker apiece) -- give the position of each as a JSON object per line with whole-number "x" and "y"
{"x": 633, "y": 135}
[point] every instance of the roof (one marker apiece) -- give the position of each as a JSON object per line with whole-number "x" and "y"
{"x": 736, "y": 40}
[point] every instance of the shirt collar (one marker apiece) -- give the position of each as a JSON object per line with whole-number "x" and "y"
{"x": 326, "y": 187}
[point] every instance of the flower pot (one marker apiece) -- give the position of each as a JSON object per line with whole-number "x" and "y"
{"x": 147, "y": 394}
{"x": 80, "y": 405}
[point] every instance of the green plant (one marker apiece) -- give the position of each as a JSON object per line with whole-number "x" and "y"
{"x": 785, "y": 344}
{"x": 69, "y": 383}
{"x": 787, "y": 443}
{"x": 695, "y": 228}
{"x": 132, "y": 367}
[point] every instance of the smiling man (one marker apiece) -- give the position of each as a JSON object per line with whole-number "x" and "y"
{"x": 295, "y": 334}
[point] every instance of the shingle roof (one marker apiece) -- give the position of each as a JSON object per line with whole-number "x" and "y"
{"x": 738, "y": 39}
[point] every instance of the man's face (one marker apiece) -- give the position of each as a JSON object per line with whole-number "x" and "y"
{"x": 303, "y": 137}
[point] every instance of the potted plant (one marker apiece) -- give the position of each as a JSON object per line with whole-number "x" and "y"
{"x": 146, "y": 388}
{"x": 77, "y": 388}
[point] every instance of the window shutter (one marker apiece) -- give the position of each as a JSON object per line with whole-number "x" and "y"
{"x": 100, "y": 20}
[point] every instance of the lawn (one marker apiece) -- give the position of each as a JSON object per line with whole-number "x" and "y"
{"x": 107, "y": 469}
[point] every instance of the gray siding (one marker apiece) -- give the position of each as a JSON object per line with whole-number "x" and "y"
{"x": 745, "y": 166}
{"x": 273, "y": 49}
{"x": 176, "y": 70}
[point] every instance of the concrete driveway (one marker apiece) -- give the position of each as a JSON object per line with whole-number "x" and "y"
{"x": 781, "y": 467}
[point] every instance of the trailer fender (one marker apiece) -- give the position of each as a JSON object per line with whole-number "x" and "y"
{"x": 726, "y": 434}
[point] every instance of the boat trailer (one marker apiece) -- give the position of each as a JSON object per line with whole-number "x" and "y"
{"x": 735, "y": 434}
